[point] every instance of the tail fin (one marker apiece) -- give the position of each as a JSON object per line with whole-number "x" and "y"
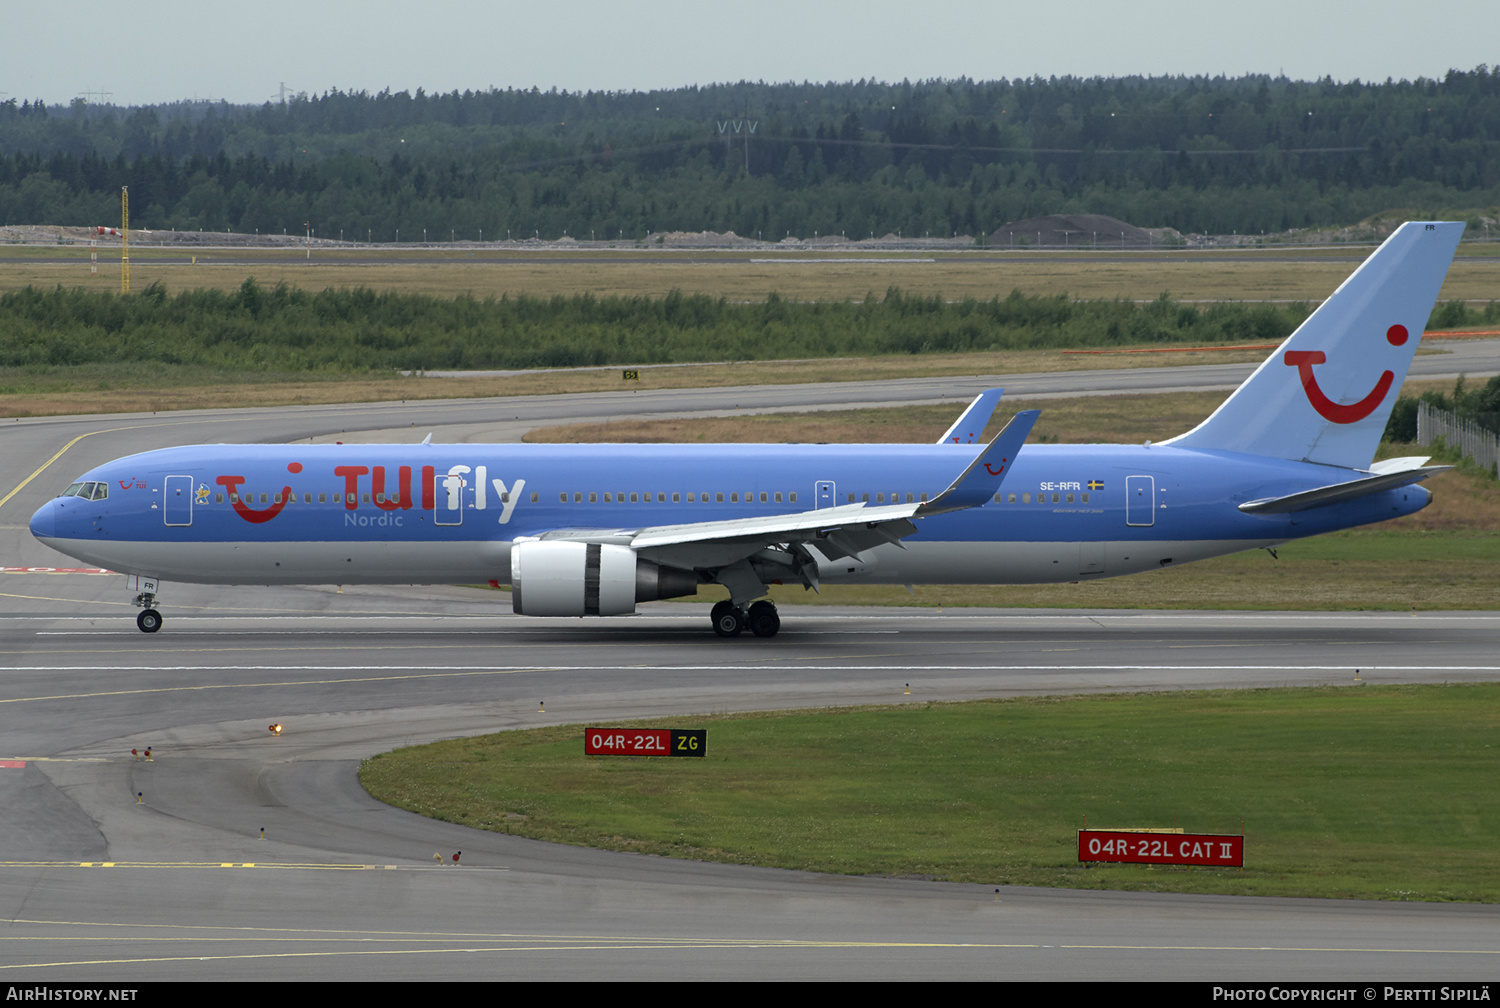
{"x": 1326, "y": 393}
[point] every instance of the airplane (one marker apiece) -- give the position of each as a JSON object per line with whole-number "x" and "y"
{"x": 593, "y": 530}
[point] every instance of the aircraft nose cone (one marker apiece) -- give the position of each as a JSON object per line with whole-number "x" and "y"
{"x": 44, "y": 522}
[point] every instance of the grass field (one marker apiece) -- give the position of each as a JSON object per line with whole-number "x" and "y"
{"x": 1367, "y": 792}
{"x": 1204, "y": 276}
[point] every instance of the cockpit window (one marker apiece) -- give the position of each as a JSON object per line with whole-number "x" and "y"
{"x": 88, "y": 491}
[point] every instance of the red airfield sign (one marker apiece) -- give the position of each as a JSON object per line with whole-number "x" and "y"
{"x": 1219, "y": 850}
{"x": 645, "y": 742}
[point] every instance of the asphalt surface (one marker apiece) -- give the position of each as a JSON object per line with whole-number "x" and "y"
{"x": 118, "y": 869}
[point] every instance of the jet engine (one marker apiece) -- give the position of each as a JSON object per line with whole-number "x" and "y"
{"x": 588, "y": 579}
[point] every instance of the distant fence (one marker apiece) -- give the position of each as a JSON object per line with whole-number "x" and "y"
{"x": 1458, "y": 432}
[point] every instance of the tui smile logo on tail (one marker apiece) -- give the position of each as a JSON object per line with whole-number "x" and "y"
{"x": 1340, "y": 413}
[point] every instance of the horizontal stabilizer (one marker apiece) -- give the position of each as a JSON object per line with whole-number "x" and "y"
{"x": 1336, "y": 493}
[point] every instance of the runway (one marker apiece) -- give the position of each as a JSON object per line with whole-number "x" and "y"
{"x": 119, "y": 869}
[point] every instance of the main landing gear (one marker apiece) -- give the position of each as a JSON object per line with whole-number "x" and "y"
{"x": 730, "y": 620}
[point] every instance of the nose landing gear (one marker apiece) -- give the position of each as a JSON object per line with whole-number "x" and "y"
{"x": 148, "y": 620}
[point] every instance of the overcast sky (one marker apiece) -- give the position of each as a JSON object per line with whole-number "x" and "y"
{"x": 153, "y": 51}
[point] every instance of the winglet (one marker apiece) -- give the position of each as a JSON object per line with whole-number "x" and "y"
{"x": 970, "y": 425}
{"x": 978, "y": 483}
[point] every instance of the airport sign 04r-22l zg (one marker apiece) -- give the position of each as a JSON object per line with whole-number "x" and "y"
{"x": 645, "y": 742}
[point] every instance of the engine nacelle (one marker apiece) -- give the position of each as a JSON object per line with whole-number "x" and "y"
{"x": 588, "y": 579}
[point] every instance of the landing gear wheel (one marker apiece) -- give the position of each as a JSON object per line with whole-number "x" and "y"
{"x": 149, "y": 621}
{"x": 729, "y": 620}
{"x": 763, "y": 619}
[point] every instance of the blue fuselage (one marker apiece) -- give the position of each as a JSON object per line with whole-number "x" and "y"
{"x": 267, "y": 514}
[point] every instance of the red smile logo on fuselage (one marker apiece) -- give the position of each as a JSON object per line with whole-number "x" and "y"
{"x": 240, "y": 505}
{"x": 1341, "y": 413}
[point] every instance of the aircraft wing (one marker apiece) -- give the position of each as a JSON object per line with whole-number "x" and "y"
{"x": 843, "y": 531}
{"x": 776, "y": 527}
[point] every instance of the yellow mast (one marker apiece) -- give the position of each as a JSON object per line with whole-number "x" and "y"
{"x": 124, "y": 239}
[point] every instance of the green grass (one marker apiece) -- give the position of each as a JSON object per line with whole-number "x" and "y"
{"x": 1364, "y": 792}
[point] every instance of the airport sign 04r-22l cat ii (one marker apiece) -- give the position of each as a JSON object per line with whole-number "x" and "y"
{"x": 593, "y": 530}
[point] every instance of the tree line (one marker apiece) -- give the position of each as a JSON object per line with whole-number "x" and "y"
{"x": 281, "y": 329}
{"x": 1481, "y": 405}
{"x": 1200, "y": 154}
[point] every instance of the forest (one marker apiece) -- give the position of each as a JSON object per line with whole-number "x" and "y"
{"x": 1246, "y": 155}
